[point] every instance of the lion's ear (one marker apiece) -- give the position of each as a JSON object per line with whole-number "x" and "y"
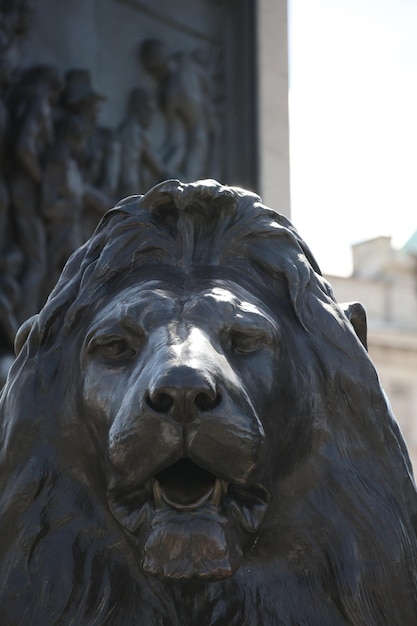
{"x": 23, "y": 333}
{"x": 356, "y": 314}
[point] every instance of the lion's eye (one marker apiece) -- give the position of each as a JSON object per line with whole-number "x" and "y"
{"x": 245, "y": 342}
{"x": 113, "y": 348}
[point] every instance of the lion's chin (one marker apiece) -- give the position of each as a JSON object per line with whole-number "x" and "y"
{"x": 183, "y": 545}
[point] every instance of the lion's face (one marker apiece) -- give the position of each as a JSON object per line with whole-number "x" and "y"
{"x": 184, "y": 381}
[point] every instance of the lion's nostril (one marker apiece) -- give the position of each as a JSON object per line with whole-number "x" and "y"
{"x": 160, "y": 402}
{"x": 183, "y": 392}
{"x": 205, "y": 401}
{"x": 163, "y": 402}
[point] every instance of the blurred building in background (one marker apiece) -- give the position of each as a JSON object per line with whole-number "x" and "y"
{"x": 384, "y": 280}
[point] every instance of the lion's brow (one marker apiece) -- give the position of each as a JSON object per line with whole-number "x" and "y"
{"x": 227, "y": 299}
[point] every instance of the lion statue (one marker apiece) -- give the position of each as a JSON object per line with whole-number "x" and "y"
{"x": 193, "y": 434}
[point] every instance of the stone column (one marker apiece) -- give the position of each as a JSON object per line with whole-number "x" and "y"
{"x": 273, "y": 122}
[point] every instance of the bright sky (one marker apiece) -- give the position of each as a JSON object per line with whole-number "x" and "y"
{"x": 353, "y": 123}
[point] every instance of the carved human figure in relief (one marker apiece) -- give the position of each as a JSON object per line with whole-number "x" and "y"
{"x": 31, "y": 106}
{"x": 15, "y": 20}
{"x": 16, "y": 17}
{"x": 63, "y": 194}
{"x": 139, "y": 161}
{"x": 184, "y": 95}
{"x": 100, "y": 162}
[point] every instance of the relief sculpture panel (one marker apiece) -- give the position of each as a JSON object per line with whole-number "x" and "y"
{"x": 87, "y": 118}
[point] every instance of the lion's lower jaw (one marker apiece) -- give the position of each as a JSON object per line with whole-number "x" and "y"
{"x": 185, "y": 545}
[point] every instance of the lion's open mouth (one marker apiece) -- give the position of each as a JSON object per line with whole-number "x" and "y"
{"x": 187, "y": 486}
{"x": 183, "y": 508}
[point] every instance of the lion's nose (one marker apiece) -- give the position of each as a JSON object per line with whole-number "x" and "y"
{"x": 183, "y": 392}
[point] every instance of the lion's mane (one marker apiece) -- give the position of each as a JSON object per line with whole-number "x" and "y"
{"x": 338, "y": 544}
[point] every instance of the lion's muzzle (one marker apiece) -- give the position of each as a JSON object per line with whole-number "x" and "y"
{"x": 185, "y": 464}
